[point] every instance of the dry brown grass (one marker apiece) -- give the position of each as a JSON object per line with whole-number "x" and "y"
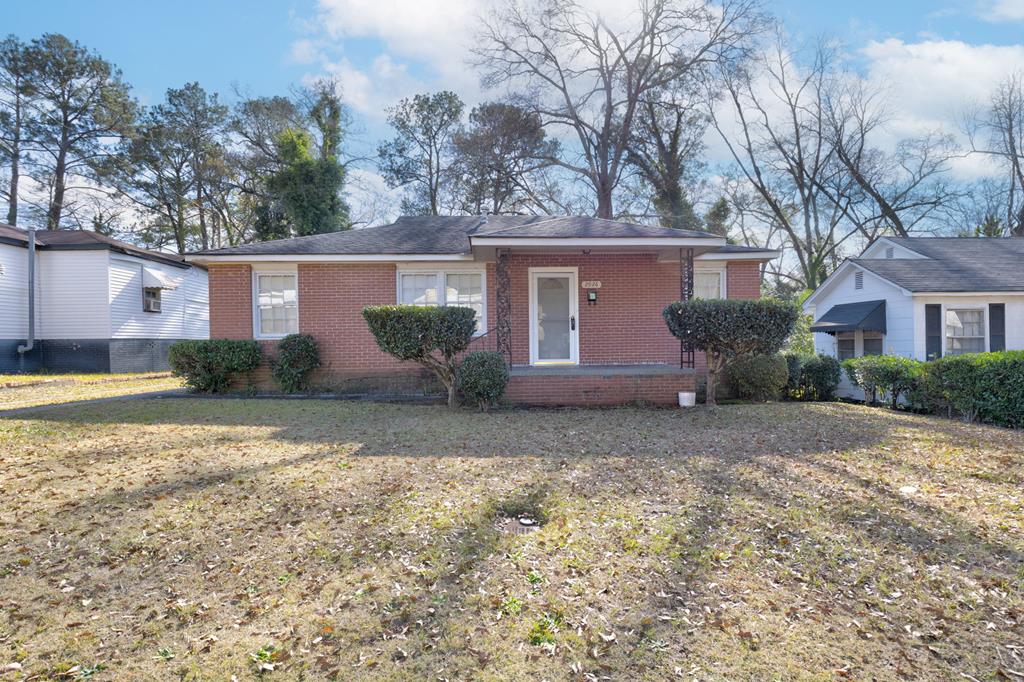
{"x": 188, "y": 539}
{"x": 32, "y": 390}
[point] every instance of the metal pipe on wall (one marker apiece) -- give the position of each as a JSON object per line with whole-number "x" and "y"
{"x": 30, "y": 342}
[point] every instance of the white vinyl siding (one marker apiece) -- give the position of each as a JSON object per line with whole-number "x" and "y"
{"x": 184, "y": 310}
{"x": 13, "y": 292}
{"x": 73, "y": 301}
{"x": 276, "y": 303}
{"x": 1014, "y": 317}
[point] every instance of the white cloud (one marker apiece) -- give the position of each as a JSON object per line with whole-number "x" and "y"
{"x": 304, "y": 51}
{"x": 932, "y": 83}
{"x": 1003, "y": 10}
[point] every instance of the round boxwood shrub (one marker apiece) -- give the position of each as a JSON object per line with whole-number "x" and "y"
{"x": 297, "y": 356}
{"x": 210, "y": 365}
{"x": 794, "y": 365}
{"x": 483, "y": 376}
{"x": 758, "y": 377}
{"x": 819, "y": 377}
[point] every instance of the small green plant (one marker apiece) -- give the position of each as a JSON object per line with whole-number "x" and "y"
{"x": 163, "y": 654}
{"x": 87, "y": 671}
{"x": 297, "y": 356}
{"x": 265, "y": 658}
{"x": 209, "y": 366}
{"x": 758, "y": 377}
{"x": 511, "y": 606}
{"x": 534, "y": 577}
{"x": 545, "y": 628}
{"x": 483, "y": 376}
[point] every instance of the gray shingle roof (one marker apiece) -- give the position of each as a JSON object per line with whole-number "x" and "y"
{"x": 954, "y": 264}
{"x": 61, "y": 240}
{"x": 448, "y": 235}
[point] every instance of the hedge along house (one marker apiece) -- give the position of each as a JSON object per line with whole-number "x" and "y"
{"x": 922, "y": 298}
{"x": 574, "y": 304}
{"x": 99, "y": 304}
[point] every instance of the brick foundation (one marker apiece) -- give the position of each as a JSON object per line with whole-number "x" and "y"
{"x": 587, "y": 390}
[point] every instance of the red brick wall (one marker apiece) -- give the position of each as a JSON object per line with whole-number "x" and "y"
{"x": 598, "y": 390}
{"x": 230, "y": 301}
{"x": 624, "y": 327}
{"x": 743, "y": 279}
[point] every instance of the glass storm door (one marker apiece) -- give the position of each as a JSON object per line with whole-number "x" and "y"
{"x": 554, "y": 316}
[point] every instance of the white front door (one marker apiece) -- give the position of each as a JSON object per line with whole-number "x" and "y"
{"x": 554, "y": 314}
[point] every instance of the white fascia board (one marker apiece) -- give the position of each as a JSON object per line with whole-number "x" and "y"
{"x": 329, "y": 258}
{"x": 836, "y": 275}
{"x": 750, "y": 255}
{"x": 595, "y": 241}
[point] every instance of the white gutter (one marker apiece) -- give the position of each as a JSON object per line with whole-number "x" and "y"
{"x": 30, "y": 342}
{"x": 745, "y": 255}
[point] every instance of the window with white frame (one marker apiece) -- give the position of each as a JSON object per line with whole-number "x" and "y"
{"x": 846, "y": 346}
{"x": 707, "y": 284}
{"x": 965, "y": 331}
{"x": 277, "y": 304}
{"x": 453, "y": 287}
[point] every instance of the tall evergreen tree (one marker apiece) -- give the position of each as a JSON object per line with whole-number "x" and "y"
{"x": 84, "y": 109}
{"x": 15, "y": 99}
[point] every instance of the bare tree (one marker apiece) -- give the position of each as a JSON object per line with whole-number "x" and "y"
{"x": 902, "y": 187}
{"x": 779, "y": 140}
{"x": 589, "y": 78}
{"x": 998, "y": 132}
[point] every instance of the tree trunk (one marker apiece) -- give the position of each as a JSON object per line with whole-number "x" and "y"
{"x": 12, "y": 204}
{"x": 604, "y": 202}
{"x": 57, "y": 202}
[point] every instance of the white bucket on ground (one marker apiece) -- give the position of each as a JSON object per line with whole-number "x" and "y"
{"x": 687, "y": 398}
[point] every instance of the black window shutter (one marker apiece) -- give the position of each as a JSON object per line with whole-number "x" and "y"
{"x": 933, "y": 331}
{"x": 996, "y": 327}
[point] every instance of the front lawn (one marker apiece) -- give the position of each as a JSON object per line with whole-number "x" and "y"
{"x": 32, "y": 390}
{"x": 197, "y": 539}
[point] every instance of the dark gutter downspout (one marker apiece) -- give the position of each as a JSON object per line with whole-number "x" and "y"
{"x": 31, "y": 341}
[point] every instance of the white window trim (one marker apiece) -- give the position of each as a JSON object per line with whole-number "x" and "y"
{"x": 256, "y": 272}
{"x": 722, "y": 293}
{"x": 442, "y": 286}
{"x": 983, "y": 307}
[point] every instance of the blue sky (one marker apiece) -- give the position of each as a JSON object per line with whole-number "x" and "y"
{"x": 937, "y": 57}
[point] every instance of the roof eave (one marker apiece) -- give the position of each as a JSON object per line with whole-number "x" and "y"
{"x": 325, "y": 257}
{"x": 750, "y": 255}
{"x": 683, "y": 242}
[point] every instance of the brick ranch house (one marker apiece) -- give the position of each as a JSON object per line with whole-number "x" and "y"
{"x": 573, "y": 303}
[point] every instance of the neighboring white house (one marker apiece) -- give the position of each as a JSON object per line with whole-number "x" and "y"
{"x": 922, "y": 297}
{"x": 101, "y": 305}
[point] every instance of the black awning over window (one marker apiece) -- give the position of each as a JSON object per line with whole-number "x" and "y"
{"x": 867, "y": 316}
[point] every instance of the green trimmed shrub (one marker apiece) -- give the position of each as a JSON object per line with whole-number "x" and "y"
{"x": 819, "y": 377}
{"x": 758, "y": 377}
{"x": 297, "y": 356}
{"x": 985, "y": 387}
{"x": 794, "y": 365}
{"x": 431, "y": 336}
{"x": 726, "y": 330}
{"x": 209, "y": 365}
{"x": 483, "y": 377}
{"x": 891, "y": 375}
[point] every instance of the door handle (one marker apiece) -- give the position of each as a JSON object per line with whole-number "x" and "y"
{"x": 572, "y": 323}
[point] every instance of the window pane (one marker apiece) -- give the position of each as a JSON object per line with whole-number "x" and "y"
{"x": 845, "y": 346}
{"x": 466, "y": 289}
{"x": 419, "y": 290}
{"x": 965, "y": 331}
{"x": 872, "y": 346}
{"x": 707, "y": 285}
{"x": 277, "y": 301}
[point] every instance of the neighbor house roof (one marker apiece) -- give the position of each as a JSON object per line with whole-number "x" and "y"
{"x": 84, "y": 240}
{"x": 953, "y": 264}
{"x": 455, "y": 236}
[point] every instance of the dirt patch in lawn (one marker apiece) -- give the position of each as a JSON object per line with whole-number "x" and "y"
{"x": 333, "y": 540}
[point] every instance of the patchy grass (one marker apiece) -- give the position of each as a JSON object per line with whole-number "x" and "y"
{"x": 333, "y": 540}
{"x": 31, "y": 390}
